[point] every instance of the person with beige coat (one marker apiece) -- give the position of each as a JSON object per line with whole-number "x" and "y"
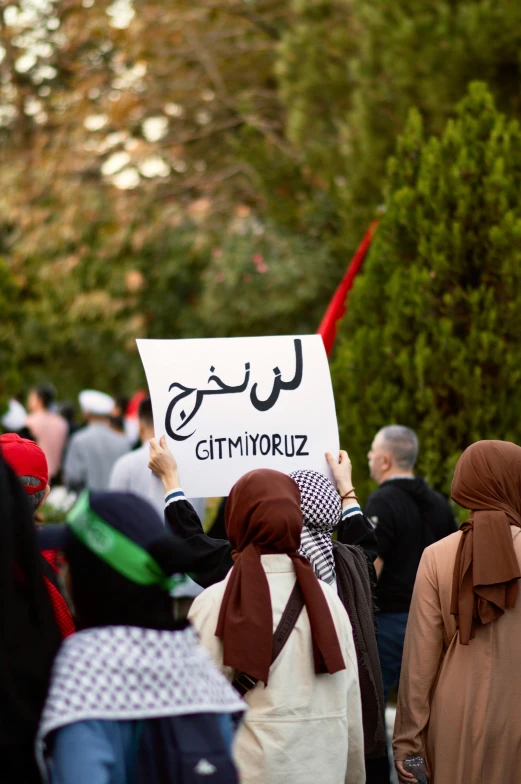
{"x": 304, "y": 722}
{"x": 460, "y": 691}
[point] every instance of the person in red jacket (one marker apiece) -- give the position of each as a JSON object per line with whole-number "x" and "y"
{"x": 30, "y": 465}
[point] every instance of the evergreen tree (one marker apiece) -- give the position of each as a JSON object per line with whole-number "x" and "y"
{"x": 431, "y": 338}
{"x": 350, "y": 71}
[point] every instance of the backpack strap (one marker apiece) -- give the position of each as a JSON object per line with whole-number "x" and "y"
{"x": 243, "y": 682}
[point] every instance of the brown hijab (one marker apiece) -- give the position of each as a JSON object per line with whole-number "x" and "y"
{"x": 487, "y": 480}
{"x": 263, "y": 517}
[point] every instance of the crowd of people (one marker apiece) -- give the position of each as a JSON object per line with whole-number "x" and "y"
{"x": 303, "y": 615}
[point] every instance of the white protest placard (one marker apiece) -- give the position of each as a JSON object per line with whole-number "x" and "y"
{"x": 229, "y": 405}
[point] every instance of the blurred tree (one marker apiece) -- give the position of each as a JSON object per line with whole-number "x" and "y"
{"x": 119, "y": 123}
{"x": 431, "y": 338}
{"x": 139, "y": 137}
{"x": 9, "y": 349}
{"x": 168, "y": 280}
{"x": 146, "y": 97}
{"x": 264, "y": 281}
{"x": 350, "y": 71}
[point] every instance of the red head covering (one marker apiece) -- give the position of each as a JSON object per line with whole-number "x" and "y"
{"x": 263, "y": 517}
{"x": 26, "y": 459}
{"x": 487, "y": 480}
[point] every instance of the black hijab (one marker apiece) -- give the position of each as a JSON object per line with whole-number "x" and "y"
{"x": 29, "y": 636}
{"x": 104, "y": 597}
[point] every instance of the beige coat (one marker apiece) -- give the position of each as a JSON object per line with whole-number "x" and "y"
{"x": 301, "y": 728}
{"x": 459, "y": 703}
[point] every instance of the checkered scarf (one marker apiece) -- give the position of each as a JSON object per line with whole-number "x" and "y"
{"x": 125, "y": 672}
{"x": 321, "y": 512}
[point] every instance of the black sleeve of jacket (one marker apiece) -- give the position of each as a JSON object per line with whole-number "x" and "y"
{"x": 446, "y": 513}
{"x": 216, "y": 554}
{"x": 385, "y": 528}
{"x": 358, "y": 530}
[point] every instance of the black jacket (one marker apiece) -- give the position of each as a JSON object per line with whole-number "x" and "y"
{"x": 217, "y": 554}
{"x": 408, "y": 517}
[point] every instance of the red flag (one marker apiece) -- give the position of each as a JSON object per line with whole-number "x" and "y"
{"x": 133, "y": 404}
{"x": 337, "y": 306}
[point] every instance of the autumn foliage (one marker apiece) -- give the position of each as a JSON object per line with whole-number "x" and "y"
{"x": 207, "y": 168}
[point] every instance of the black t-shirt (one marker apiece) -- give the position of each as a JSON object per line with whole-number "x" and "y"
{"x": 408, "y": 517}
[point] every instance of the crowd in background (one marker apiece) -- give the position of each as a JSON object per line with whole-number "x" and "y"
{"x": 304, "y": 614}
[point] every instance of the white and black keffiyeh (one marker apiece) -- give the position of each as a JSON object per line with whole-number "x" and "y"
{"x": 321, "y": 511}
{"x": 127, "y": 672}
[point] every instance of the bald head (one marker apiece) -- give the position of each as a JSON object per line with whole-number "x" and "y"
{"x": 393, "y": 451}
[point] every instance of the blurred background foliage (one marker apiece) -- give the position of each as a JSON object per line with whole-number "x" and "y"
{"x": 207, "y": 167}
{"x": 441, "y": 351}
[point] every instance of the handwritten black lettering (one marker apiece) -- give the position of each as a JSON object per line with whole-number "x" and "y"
{"x": 200, "y": 394}
{"x": 286, "y": 446}
{"x": 234, "y": 444}
{"x": 279, "y": 384}
{"x": 268, "y": 445}
{"x": 263, "y": 444}
{"x": 224, "y": 388}
{"x": 185, "y": 392}
{"x": 199, "y": 457}
{"x": 220, "y": 442}
{"x": 254, "y": 443}
{"x": 300, "y": 453}
{"x": 188, "y": 400}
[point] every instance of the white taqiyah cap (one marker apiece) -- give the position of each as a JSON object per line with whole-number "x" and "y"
{"x": 95, "y": 403}
{"x": 15, "y": 416}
